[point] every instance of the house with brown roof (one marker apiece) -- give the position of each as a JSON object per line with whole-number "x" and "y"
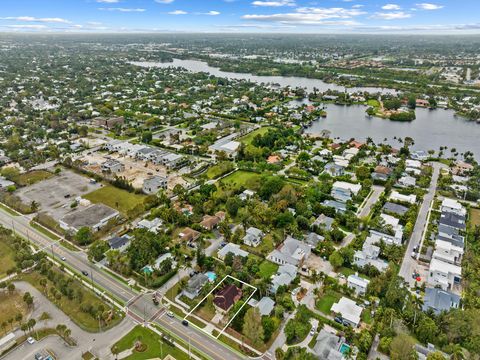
{"x": 209, "y": 222}
{"x": 189, "y": 234}
{"x": 356, "y": 144}
{"x": 226, "y": 297}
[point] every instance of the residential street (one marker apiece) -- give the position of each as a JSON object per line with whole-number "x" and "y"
{"x": 409, "y": 264}
{"x": 372, "y": 200}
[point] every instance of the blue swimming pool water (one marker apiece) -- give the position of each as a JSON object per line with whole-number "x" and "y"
{"x": 344, "y": 348}
{"x": 211, "y": 276}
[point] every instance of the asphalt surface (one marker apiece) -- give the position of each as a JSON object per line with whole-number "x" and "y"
{"x": 140, "y": 309}
{"x": 372, "y": 200}
{"x": 409, "y": 264}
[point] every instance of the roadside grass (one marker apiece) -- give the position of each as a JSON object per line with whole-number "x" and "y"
{"x": 68, "y": 246}
{"x": 8, "y": 210}
{"x": 324, "y": 304}
{"x": 247, "y": 139}
{"x": 116, "y": 198}
{"x": 44, "y": 231}
{"x": 72, "y": 308}
{"x": 181, "y": 314}
{"x": 7, "y": 261}
{"x": 11, "y": 304}
{"x": 154, "y": 345}
{"x": 474, "y": 217}
{"x": 267, "y": 269}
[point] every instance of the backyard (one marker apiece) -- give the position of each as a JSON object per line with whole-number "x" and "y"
{"x": 325, "y": 301}
{"x": 152, "y": 345}
{"x": 267, "y": 269}
{"x": 247, "y": 139}
{"x": 116, "y": 198}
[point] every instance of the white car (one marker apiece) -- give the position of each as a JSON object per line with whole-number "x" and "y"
{"x": 170, "y": 314}
{"x": 31, "y": 340}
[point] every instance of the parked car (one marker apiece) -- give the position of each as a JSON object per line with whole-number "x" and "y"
{"x": 338, "y": 320}
{"x": 38, "y": 356}
{"x": 63, "y": 258}
{"x": 31, "y": 340}
{"x": 85, "y": 272}
{"x": 170, "y": 314}
{"x": 184, "y": 322}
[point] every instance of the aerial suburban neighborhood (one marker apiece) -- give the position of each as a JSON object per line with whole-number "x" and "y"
{"x": 182, "y": 197}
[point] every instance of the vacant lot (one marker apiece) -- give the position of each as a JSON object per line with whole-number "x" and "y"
{"x": 475, "y": 217}
{"x": 267, "y": 269}
{"x": 151, "y": 345}
{"x": 72, "y": 307}
{"x": 11, "y": 304}
{"x": 116, "y": 198}
{"x": 56, "y": 193}
{"x": 241, "y": 178}
{"x": 247, "y": 139}
{"x": 33, "y": 177}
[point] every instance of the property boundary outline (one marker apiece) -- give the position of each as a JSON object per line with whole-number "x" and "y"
{"x": 211, "y": 291}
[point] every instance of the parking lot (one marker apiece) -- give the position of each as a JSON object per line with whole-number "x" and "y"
{"x": 55, "y": 195}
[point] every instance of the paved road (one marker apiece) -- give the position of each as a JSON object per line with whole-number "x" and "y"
{"x": 409, "y": 264}
{"x": 142, "y": 308}
{"x": 372, "y": 200}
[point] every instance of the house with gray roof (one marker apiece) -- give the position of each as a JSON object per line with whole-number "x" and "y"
{"x": 328, "y": 346}
{"x": 292, "y": 251}
{"x": 231, "y": 248}
{"x": 440, "y": 300}
{"x": 325, "y": 221}
{"x": 396, "y": 209}
{"x": 369, "y": 256}
{"x": 284, "y": 277}
{"x": 253, "y": 237}
{"x": 339, "y": 207}
{"x": 265, "y": 305}
{"x": 195, "y": 285}
{"x": 153, "y": 184}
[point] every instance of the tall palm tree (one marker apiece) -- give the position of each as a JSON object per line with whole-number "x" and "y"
{"x": 457, "y": 353}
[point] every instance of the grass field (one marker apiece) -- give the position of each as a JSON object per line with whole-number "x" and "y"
{"x": 324, "y": 304}
{"x": 116, "y": 198}
{"x": 155, "y": 347}
{"x": 11, "y": 304}
{"x": 219, "y": 169}
{"x": 72, "y": 307}
{"x": 247, "y": 139}
{"x": 267, "y": 269}
{"x": 242, "y": 178}
{"x": 33, "y": 177}
{"x": 8, "y": 210}
{"x": 6, "y": 259}
{"x": 475, "y": 217}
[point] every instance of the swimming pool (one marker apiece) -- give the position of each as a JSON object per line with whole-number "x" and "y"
{"x": 211, "y": 276}
{"x": 344, "y": 348}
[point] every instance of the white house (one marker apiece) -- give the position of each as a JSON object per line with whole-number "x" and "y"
{"x": 358, "y": 284}
{"x": 253, "y": 237}
{"x": 444, "y": 275}
{"x": 453, "y": 206}
{"x": 292, "y": 251}
{"x": 349, "y": 311}
{"x": 396, "y": 196}
{"x": 448, "y": 252}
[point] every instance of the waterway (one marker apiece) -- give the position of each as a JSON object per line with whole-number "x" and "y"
{"x": 430, "y": 130}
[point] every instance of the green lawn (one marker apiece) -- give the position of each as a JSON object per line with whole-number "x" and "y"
{"x": 116, "y": 198}
{"x": 373, "y": 103}
{"x": 72, "y": 307}
{"x": 474, "y": 217}
{"x": 324, "y": 304}
{"x": 247, "y": 139}
{"x": 220, "y": 169}
{"x": 6, "y": 259}
{"x": 242, "y": 178}
{"x": 366, "y": 316}
{"x": 152, "y": 341}
{"x": 8, "y": 210}
{"x": 267, "y": 269}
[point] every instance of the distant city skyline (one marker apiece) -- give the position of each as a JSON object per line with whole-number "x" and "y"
{"x": 285, "y": 16}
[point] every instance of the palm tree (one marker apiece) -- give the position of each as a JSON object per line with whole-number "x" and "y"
{"x": 417, "y": 304}
{"x": 457, "y": 353}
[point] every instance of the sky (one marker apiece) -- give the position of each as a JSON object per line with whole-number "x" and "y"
{"x": 281, "y": 16}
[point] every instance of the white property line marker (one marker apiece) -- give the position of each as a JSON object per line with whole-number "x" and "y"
{"x": 211, "y": 291}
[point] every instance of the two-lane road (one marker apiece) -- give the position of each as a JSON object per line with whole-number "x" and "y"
{"x": 79, "y": 262}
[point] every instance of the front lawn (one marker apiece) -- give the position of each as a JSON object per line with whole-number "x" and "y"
{"x": 243, "y": 178}
{"x": 267, "y": 269}
{"x": 153, "y": 345}
{"x": 116, "y": 198}
{"x": 325, "y": 302}
{"x": 474, "y": 217}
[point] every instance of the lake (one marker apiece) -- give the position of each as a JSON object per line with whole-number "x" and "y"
{"x": 431, "y": 129}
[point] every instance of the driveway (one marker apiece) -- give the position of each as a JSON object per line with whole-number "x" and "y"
{"x": 98, "y": 343}
{"x": 372, "y": 200}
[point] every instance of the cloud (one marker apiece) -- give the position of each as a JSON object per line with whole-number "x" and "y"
{"x": 119, "y": 9}
{"x": 108, "y": 1}
{"x": 277, "y": 3}
{"x": 428, "y": 6}
{"x": 25, "y": 26}
{"x": 212, "y": 13}
{"x": 35, "y": 19}
{"x": 305, "y": 15}
{"x": 391, "y": 7}
{"x": 391, "y": 15}
{"x": 177, "y": 12}
{"x": 164, "y": 1}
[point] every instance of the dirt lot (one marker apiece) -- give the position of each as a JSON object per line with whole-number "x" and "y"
{"x": 136, "y": 171}
{"x": 57, "y": 193}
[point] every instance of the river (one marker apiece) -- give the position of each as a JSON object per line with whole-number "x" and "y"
{"x": 431, "y": 129}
